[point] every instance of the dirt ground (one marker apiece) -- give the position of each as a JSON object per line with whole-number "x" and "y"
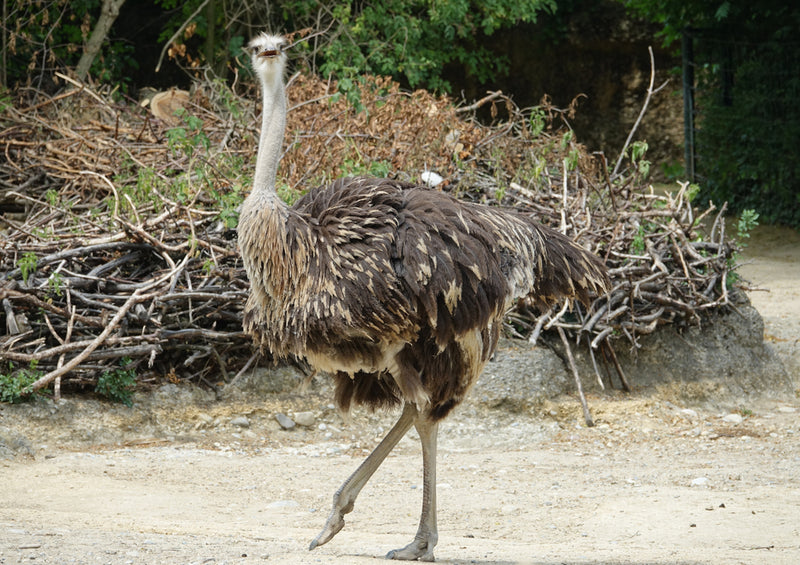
{"x": 180, "y": 478}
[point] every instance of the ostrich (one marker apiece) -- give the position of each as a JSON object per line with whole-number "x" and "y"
{"x": 397, "y": 291}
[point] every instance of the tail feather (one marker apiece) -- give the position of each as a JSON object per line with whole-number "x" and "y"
{"x": 545, "y": 265}
{"x": 564, "y": 269}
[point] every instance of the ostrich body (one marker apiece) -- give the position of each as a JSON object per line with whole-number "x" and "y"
{"x": 398, "y": 291}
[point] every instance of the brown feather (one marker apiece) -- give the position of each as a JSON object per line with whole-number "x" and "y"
{"x": 398, "y": 290}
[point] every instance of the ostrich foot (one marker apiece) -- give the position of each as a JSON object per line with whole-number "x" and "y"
{"x": 333, "y": 526}
{"x": 421, "y": 549}
{"x": 345, "y": 497}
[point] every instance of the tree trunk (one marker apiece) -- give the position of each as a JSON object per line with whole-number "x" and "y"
{"x": 108, "y": 15}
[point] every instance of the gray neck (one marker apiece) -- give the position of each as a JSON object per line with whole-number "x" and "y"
{"x": 273, "y": 123}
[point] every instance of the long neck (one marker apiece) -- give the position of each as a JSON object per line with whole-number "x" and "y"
{"x": 273, "y": 124}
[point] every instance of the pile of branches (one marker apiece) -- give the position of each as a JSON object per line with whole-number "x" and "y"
{"x": 118, "y": 228}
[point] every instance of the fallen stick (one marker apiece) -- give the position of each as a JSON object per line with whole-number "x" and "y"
{"x": 135, "y": 298}
{"x": 587, "y": 416}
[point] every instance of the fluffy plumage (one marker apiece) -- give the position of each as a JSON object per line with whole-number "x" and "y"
{"x": 378, "y": 280}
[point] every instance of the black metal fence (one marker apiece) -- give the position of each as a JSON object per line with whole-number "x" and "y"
{"x": 742, "y": 122}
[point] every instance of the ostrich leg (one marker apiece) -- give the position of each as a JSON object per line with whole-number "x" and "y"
{"x": 345, "y": 497}
{"x": 427, "y": 533}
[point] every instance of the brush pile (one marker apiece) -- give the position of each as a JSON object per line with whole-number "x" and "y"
{"x": 118, "y": 228}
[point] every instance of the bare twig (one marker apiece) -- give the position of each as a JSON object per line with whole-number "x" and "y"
{"x": 649, "y": 95}
{"x": 587, "y": 415}
{"x": 475, "y": 105}
{"x": 178, "y": 32}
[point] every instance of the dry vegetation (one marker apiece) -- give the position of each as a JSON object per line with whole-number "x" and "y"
{"x": 118, "y": 228}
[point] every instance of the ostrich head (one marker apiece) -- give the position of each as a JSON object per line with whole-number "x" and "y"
{"x": 267, "y": 56}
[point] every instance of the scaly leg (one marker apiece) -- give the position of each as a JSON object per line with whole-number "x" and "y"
{"x": 427, "y": 533}
{"x": 345, "y": 497}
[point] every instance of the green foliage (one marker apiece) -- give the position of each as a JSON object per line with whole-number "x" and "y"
{"x": 55, "y": 284}
{"x": 49, "y": 34}
{"x": 355, "y": 166}
{"x": 51, "y": 196}
{"x": 27, "y": 265}
{"x": 188, "y": 137}
{"x": 118, "y": 385}
{"x": 538, "y": 121}
{"x": 410, "y": 40}
{"x": 692, "y": 192}
{"x": 638, "y": 149}
{"x": 747, "y": 221}
{"x": 637, "y": 245}
{"x": 15, "y": 386}
{"x": 286, "y": 193}
{"x": 229, "y": 202}
{"x": 144, "y": 191}
{"x": 5, "y": 99}
{"x": 673, "y": 170}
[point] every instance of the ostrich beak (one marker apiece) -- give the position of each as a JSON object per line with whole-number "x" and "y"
{"x": 269, "y": 53}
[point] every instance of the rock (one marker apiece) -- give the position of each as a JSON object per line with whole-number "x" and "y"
{"x": 689, "y": 413}
{"x": 787, "y": 410}
{"x": 520, "y": 377}
{"x": 240, "y": 422}
{"x": 305, "y": 419}
{"x": 700, "y": 482}
{"x": 733, "y": 419}
{"x": 203, "y": 421}
{"x": 283, "y": 505}
{"x": 724, "y": 361}
{"x": 285, "y": 421}
{"x": 13, "y": 444}
{"x": 272, "y": 380}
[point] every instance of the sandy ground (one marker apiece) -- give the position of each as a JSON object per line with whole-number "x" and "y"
{"x": 658, "y": 480}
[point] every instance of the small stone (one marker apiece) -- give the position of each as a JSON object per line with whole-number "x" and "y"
{"x": 733, "y": 419}
{"x": 240, "y": 422}
{"x": 787, "y": 410}
{"x": 283, "y": 504}
{"x": 305, "y": 419}
{"x": 689, "y": 413}
{"x": 285, "y": 421}
{"x": 700, "y": 482}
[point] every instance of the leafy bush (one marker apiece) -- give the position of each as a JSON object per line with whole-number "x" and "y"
{"x": 409, "y": 40}
{"x": 118, "y": 385}
{"x": 15, "y": 386}
{"x": 47, "y": 35}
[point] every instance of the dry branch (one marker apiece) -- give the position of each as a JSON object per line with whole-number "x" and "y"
{"x": 118, "y": 240}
